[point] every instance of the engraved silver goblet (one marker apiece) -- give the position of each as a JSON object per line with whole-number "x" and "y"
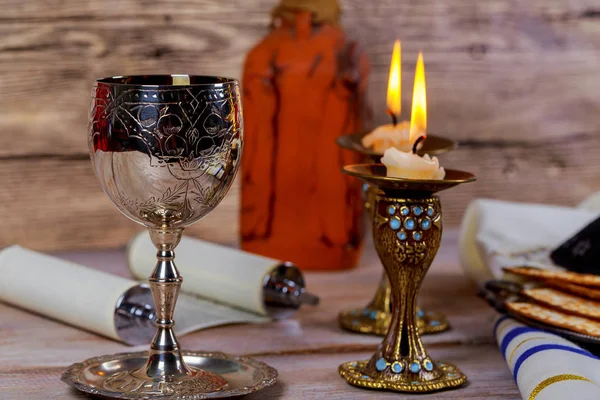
{"x": 165, "y": 149}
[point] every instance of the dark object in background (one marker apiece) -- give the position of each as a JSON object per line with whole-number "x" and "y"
{"x": 581, "y": 253}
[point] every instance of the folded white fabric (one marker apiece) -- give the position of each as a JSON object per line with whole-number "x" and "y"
{"x": 546, "y": 366}
{"x": 496, "y": 234}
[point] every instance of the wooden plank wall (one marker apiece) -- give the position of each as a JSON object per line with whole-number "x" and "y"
{"x": 517, "y": 82}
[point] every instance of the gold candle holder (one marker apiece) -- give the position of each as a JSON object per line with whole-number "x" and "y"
{"x": 407, "y": 229}
{"x": 376, "y": 316}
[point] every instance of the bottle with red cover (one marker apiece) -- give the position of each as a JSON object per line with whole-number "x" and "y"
{"x": 303, "y": 86}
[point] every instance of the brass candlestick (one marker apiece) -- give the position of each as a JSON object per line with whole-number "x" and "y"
{"x": 407, "y": 229}
{"x": 375, "y": 317}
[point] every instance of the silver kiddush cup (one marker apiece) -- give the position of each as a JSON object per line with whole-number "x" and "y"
{"x": 165, "y": 149}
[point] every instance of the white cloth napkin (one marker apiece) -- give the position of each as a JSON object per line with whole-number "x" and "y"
{"x": 496, "y": 234}
{"x": 546, "y": 366}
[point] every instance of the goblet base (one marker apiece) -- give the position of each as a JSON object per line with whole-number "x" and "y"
{"x": 214, "y": 375}
{"x": 376, "y": 322}
{"x": 357, "y": 373}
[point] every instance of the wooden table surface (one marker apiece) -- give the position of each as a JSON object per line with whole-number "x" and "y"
{"x": 305, "y": 350}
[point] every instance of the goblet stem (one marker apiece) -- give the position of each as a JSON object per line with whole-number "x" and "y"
{"x": 164, "y": 357}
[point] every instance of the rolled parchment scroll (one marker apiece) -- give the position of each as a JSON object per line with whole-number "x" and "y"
{"x": 237, "y": 278}
{"x": 109, "y": 305}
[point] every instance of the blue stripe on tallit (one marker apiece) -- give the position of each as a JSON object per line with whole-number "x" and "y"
{"x": 542, "y": 347}
{"x": 498, "y": 322}
{"x": 513, "y": 334}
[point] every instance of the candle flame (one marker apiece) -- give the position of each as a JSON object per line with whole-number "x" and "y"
{"x": 418, "y": 117}
{"x": 394, "y": 102}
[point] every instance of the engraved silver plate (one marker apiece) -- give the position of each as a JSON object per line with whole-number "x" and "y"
{"x": 243, "y": 375}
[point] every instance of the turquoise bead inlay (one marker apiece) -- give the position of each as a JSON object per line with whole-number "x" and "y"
{"x": 420, "y": 313}
{"x": 381, "y": 364}
{"x": 430, "y": 211}
{"x": 417, "y": 236}
{"x": 415, "y": 367}
{"x": 396, "y": 367}
{"x": 434, "y": 323}
{"x": 409, "y": 224}
{"x": 404, "y": 211}
{"x": 395, "y": 223}
{"x": 401, "y": 235}
{"x": 426, "y": 223}
{"x": 417, "y": 210}
{"x": 391, "y": 210}
{"x": 428, "y": 365}
{"x": 373, "y": 314}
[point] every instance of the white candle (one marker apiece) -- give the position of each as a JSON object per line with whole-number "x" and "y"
{"x": 401, "y": 135}
{"x": 390, "y": 135}
{"x": 396, "y": 134}
{"x": 408, "y": 165}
